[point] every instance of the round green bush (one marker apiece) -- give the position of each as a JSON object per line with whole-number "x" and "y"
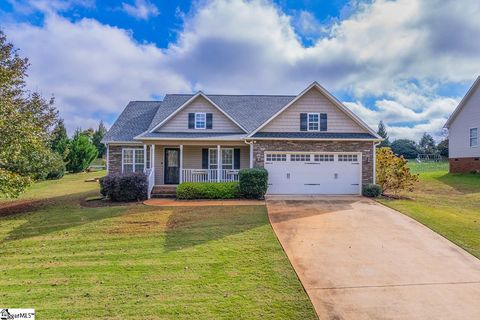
{"x": 253, "y": 183}
{"x": 371, "y": 190}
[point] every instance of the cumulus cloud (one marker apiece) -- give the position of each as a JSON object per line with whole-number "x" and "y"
{"x": 395, "y": 53}
{"x": 141, "y": 9}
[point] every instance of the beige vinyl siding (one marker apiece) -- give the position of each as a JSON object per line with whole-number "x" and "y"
{"x": 179, "y": 122}
{"x": 459, "y": 131}
{"x": 312, "y": 101}
{"x": 192, "y": 158}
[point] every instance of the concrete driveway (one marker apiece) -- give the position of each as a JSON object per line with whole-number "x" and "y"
{"x": 360, "y": 260}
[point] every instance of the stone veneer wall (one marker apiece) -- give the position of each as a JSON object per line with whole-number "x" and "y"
{"x": 461, "y": 165}
{"x": 115, "y": 159}
{"x": 365, "y": 147}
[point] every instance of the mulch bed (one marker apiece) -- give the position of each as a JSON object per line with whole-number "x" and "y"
{"x": 22, "y": 206}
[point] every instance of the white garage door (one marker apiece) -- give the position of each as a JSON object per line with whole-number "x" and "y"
{"x": 313, "y": 173}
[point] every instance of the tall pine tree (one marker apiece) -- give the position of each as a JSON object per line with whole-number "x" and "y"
{"x": 97, "y": 139}
{"x": 382, "y": 132}
{"x": 59, "y": 140}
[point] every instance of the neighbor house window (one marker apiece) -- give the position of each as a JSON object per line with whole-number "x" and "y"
{"x": 313, "y": 121}
{"x": 132, "y": 160}
{"x": 473, "y": 137}
{"x": 226, "y": 155}
{"x": 200, "y": 120}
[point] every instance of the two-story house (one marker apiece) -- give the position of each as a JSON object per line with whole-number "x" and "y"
{"x": 310, "y": 143}
{"x": 463, "y": 132}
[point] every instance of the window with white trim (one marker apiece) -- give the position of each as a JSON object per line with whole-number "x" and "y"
{"x": 276, "y": 157}
{"x": 200, "y": 120}
{"x": 132, "y": 160}
{"x": 473, "y": 137}
{"x": 313, "y": 121}
{"x": 324, "y": 157}
{"x": 299, "y": 157}
{"x": 347, "y": 157}
{"x": 226, "y": 155}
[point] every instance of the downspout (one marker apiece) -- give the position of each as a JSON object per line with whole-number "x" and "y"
{"x": 375, "y": 144}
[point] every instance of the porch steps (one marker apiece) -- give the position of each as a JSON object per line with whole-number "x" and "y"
{"x": 165, "y": 191}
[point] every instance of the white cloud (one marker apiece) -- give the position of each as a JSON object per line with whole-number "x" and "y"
{"x": 141, "y": 9}
{"x": 399, "y": 52}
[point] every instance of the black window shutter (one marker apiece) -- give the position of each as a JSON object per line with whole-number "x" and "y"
{"x": 204, "y": 158}
{"x": 323, "y": 122}
{"x": 209, "y": 120}
{"x": 303, "y": 122}
{"x": 236, "y": 158}
{"x": 191, "y": 120}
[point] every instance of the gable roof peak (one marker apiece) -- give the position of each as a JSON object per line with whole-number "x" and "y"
{"x": 462, "y": 103}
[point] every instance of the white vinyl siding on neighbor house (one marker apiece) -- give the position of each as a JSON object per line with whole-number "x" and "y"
{"x": 459, "y": 138}
{"x": 179, "y": 122}
{"x": 311, "y": 102}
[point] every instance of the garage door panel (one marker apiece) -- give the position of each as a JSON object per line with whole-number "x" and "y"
{"x": 318, "y": 175}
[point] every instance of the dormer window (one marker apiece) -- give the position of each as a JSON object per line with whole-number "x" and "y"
{"x": 313, "y": 121}
{"x": 200, "y": 120}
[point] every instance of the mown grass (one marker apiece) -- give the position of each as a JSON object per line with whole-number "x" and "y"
{"x": 139, "y": 262}
{"x": 422, "y": 167}
{"x": 447, "y": 203}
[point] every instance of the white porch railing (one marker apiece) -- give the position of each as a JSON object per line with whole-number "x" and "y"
{"x": 209, "y": 175}
{"x": 151, "y": 180}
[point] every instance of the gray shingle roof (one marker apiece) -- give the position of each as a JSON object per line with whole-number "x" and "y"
{"x": 195, "y": 135}
{"x": 134, "y": 120}
{"x": 313, "y": 135}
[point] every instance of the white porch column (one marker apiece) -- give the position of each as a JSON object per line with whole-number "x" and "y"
{"x": 251, "y": 155}
{"x": 144, "y": 158}
{"x": 219, "y": 163}
{"x": 181, "y": 164}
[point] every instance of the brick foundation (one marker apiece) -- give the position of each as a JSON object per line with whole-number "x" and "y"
{"x": 460, "y": 165}
{"x": 365, "y": 147}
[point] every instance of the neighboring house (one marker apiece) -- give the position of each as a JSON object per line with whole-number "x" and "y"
{"x": 463, "y": 132}
{"x": 310, "y": 143}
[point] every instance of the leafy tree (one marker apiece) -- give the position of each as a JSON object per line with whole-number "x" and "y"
{"x": 382, "y": 132}
{"x": 442, "y": 148}
{"x": 97, "y": 139}
{"x": 404, "y": 147}
{"x": 89, "y": 132}
{"x": 82, "y": 152}
{"x": 59, "y": 140}
{"x": 427, "y": 144}
{"x": 25, "y": 122}
{"x": 393, "y": 175}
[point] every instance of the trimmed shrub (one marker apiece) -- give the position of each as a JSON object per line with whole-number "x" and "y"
{"x": 207, "y": 190}
{"x": 124, "y": 187}
{"x": 371, "y": 190}
{"x": 253, "y": 183}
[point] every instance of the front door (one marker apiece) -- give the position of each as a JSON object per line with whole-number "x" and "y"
{"x": 172, "y": 165}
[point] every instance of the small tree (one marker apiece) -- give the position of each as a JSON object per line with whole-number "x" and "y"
{"x": 404, "y": 147}
{"x": 382, "y": 132}
{"x": 82, "y": 153}
{"x": 59, "y": 140}
{"x": 393, "y": 175}
{"x": 97, "y": 139}
{"x": 442, "y": 148}
{"x": 427, "y": 144}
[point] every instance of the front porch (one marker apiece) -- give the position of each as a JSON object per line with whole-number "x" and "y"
{"x": 171, "y": 164}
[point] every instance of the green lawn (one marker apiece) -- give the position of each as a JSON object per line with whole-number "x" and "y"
{"x": 139, "y": 262}
{"x": 422, "y": 167}
{"x": 446, "y": 203}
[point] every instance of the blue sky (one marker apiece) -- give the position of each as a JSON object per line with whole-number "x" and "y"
{"x": 407, "y": 62}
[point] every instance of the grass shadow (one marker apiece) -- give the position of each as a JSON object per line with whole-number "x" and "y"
{"x": 41, "y": 217}
{"x": 465, "y": 183}
{"x": 192, "y": 226}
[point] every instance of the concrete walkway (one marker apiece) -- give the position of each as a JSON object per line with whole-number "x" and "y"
{"x": 360, "y": 260}
{"x": 201, "y": 203}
